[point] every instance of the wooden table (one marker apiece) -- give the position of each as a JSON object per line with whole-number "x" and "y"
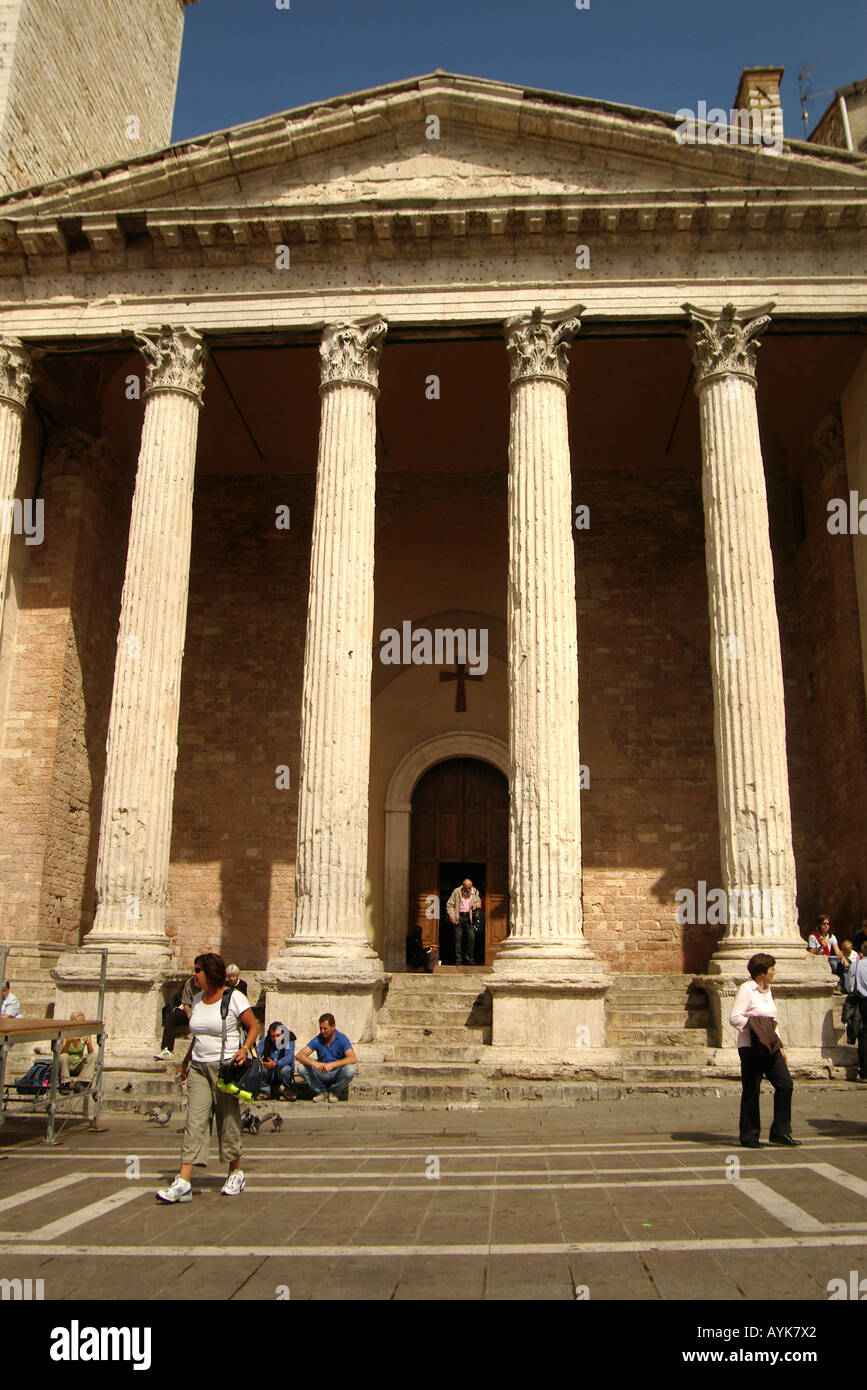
{"x": 54, "y": 1031}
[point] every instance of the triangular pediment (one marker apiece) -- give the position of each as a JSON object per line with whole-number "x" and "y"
{"x": 384, "y": 148}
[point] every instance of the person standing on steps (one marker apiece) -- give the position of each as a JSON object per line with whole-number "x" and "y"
{"x": 754, "y": 1014}
{"x": 460, "y": 907}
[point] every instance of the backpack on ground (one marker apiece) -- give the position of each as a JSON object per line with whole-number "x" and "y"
{"x": 35, "y": 1081}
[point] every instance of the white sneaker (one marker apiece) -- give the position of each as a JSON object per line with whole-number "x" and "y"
{"x": 320, "y": 1096}
{"x": 180, "y": 1191}
{"x": 164, "y": 1056}
{"x": 333, "y": 1099}
{"x": 235, "y": 1183}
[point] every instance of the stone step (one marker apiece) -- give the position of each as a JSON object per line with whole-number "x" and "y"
{"x": 666, "y": 1057}
{"x": 640, "y": 1071}
{"x": 400, "y": 1016}
{"x": 660, "y": 1016}
{"x": 379, "y": 1088}
{"x": 628, "y": 979}
{"x": 418, "y": 1052}
{"x": 431, "y": 1034}
{"x": 631, "y": 1035}
{"x": 439, "y": 999}
{"x": 442, "y": 979}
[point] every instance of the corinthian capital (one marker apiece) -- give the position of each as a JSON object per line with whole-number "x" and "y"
{"x": 16, "y": 372}
{"x": 175, "y": 360}
{"x": 539, "y": 350}
{"x": 349, "y": 353}
{"x": 724, "y": 344}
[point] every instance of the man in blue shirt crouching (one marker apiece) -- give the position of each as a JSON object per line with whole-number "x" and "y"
{"x": 328, "y": 1062}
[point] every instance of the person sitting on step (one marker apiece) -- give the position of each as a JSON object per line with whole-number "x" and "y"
{"x": 78, "y": 1059}
{"x": 277, "y": 1052}
{"x": 328, "y": 1062}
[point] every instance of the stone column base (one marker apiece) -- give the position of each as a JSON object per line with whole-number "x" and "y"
{"x": 804, "y": 1011}
{"x": 133, "y": 1003}
{"x": 301, "y": 987}
{"x": 555, "y": 1020}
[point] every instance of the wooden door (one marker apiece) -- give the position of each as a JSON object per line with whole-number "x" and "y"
{"x": 460, "y": 811}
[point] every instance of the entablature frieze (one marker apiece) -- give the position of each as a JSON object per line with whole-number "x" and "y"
{"x": 52, "y": 244}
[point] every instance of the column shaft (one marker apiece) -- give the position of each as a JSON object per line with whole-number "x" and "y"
{"x": 757, "y": 854}
{"x": 141, "y": 749}
{"x": 331, "y": 869}
{"x": 15, "y": 382}
{"x": 331, "y": 864}
{"x": 545, "y": 813}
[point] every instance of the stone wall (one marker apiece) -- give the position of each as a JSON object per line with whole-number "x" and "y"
{"x": 78, "y": 72}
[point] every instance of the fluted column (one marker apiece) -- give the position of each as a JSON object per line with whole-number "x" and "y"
{"x": 141, "y": 746}
{"x": 749, "y": 710}
{"x": 331, "y": 865}
{"x": 756, "y": 851}
{"x": 545, "y": 814}
{"x": 16, "y": 367}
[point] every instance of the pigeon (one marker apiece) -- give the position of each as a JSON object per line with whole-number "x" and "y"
{"x": 278, "y": 1123}
{"x": 127, "y": 1089}
{"x": 161, "y": 1117}
{"x": 249, "y": 1122}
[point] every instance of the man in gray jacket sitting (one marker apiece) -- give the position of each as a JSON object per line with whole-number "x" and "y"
{"x": 463, "y": 902}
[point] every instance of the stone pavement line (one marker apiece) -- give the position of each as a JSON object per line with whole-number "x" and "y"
{"x": 447, "y": 1178}
{"x": 79, "y": 1218}
{"x": 44, "y": 1190}
{"x": 827, "y": 1170}
{"x": 780, "y": 1207}
{"x": 665, "y": 1146}
{"x": 819, "y": 1241}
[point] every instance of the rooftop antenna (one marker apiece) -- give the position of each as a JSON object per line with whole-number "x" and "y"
{"x": 804, "y": 96}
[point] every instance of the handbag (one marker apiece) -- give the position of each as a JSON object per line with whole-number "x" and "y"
{"x": 242, "y": 1079}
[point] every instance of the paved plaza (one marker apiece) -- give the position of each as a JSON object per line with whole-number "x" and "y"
{"x": 645, "y": 1198}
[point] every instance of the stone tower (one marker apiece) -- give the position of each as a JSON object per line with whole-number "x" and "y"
{"x": 84, "y": 83}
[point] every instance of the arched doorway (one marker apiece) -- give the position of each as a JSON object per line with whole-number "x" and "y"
{"x": 460, "y": 828}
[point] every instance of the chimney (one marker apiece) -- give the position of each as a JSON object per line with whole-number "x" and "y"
{"x": 759, "y": 92}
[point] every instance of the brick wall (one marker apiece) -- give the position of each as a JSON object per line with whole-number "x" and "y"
{"x": 231, "y": 881}
{"x": 831, "y": 866}
{"x": 649, "y": 816}
{"x": 60, "y": 691}
{"x": 78, "y": 71}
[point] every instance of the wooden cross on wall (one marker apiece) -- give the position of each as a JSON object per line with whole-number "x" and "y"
{"x": 460, "y": 675}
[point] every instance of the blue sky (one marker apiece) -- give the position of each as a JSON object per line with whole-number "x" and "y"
{"x": 243, "y": 59}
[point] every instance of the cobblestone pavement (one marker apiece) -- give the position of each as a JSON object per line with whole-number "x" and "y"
{"x": 640, "y": 1199}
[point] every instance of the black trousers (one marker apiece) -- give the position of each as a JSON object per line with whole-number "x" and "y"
{"x": 862, "y": 1036}
{"x": 757, "y": 1062}
{"x": 173, "y": 1019}
{"x": 464, "y": 927}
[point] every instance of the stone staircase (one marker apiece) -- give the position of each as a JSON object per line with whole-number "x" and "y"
{"x": 660, "y": 1023}
{"x": 432, "y": 1033}
{"x": 433, "y": 1049}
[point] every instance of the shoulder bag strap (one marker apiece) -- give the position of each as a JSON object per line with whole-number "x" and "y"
{"x": 224, "y": 1010}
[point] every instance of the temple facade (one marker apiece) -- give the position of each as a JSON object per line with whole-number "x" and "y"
{"x": 447, "y": 480}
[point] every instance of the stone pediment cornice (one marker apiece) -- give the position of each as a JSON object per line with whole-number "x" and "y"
{"x": 303, "y": 145}
{"x": 251, "y": 235}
